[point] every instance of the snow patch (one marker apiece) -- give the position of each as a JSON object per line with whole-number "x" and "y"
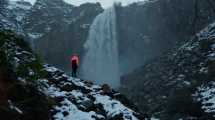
{"x": 213, "y": 46}
{"x": 205, "y": 94}
{"x": 17, "y": 5}
{"x": 73, "y": 113}
{"x": 70, "y": 110}
{"x": 35, "y": 35}
{"x": 13, "y": 107}
{"x": 113, "y": 107}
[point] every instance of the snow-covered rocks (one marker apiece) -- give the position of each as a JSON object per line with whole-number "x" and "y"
{"x": 80, "y": 102}
{"x": 19, "y": 5}
{"x": 178, "y": 74}
{"x": 206, "y": 95}
{"x": 12, "y": 15}
{"x": 63, "y": 97}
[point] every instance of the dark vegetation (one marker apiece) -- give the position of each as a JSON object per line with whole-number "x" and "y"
{"x": 24, "y": 95}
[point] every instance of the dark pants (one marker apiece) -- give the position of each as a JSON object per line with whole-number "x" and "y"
{"x": 74, "y": 72}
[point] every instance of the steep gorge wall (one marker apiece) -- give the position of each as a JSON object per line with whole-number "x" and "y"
{"x": 149, "y": 29}
{"x": 169, "y": 24}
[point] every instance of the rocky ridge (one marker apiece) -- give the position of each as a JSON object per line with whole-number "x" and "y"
{"x": 35, "y": 91}
{"x": 178, "y": 82}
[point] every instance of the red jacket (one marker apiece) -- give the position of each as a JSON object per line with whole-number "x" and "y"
{"x": 74, "y": 61}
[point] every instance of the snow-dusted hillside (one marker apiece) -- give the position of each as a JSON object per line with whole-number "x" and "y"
{"x": 68, "y": 98}
{"x": 205, "y": 95}
{"x": 79, "y": 99}
{"x": 205, "y": 92}
{"x": 12, "y": 13}
{"x": 182, "y": 80}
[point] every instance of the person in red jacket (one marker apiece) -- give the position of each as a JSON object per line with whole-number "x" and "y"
{"x": 75, "y": 63}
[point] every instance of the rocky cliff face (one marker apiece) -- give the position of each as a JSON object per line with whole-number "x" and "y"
{"x": 31, "y": 91}
{"x": 156, "y": 26}
{"x": 55, "y": 29}
{"x": 147, "y": 29}
{"x": 179, "y": 83}
{"x": 12, "y": 13}
{"x": 154, "y": 31}
{"x": 58, "y": 30}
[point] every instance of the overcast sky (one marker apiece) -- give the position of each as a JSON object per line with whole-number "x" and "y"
{"x": 105, "y": 3}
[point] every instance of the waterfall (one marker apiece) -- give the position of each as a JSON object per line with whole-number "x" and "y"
{"x": 100, "y": 62}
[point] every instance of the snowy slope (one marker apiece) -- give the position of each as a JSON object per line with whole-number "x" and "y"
{"x": 205, "y": 92}
{"x": 72, "y": 98}
{"x": 181, "y": 79}
{"x": 79, "y": 100}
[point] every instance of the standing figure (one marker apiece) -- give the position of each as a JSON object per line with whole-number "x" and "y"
{"x": 75, "y": 63}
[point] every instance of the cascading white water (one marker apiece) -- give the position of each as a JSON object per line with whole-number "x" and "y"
{"x": 100, "y": 62}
